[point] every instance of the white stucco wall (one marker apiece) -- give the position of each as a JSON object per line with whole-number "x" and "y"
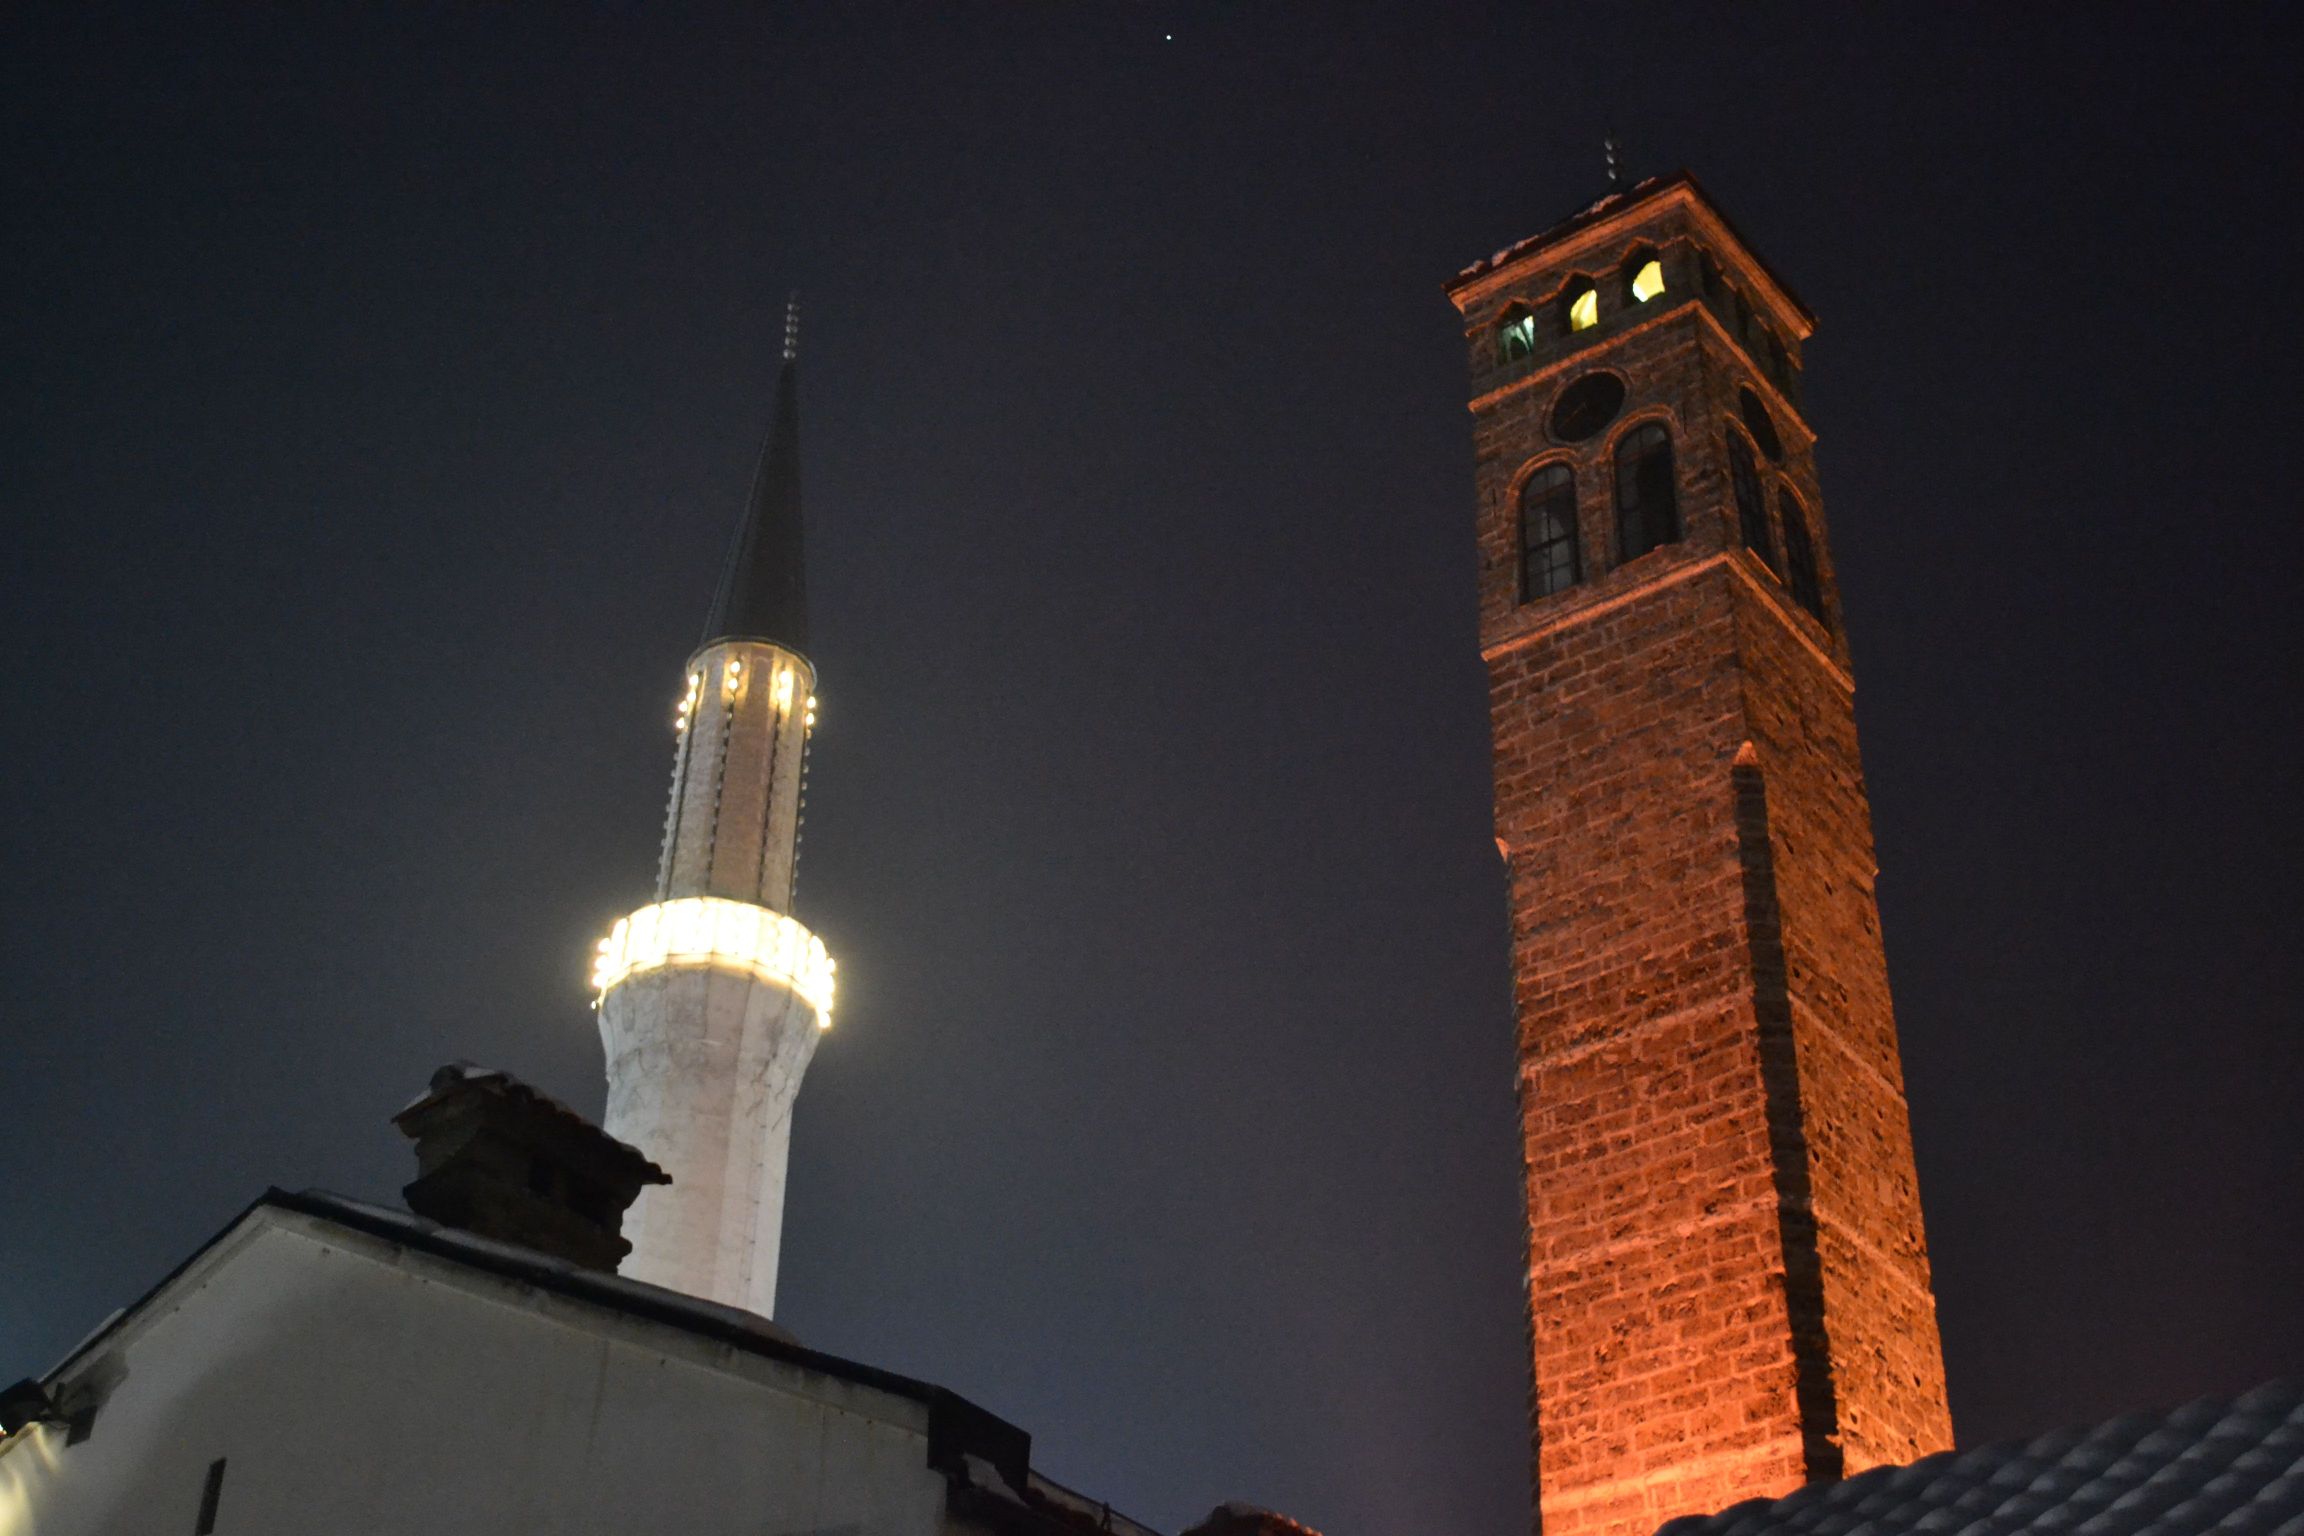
{"x": 353, "y": 1386}
{"x": 703, "y": 1068}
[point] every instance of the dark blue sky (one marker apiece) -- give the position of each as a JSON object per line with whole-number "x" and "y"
{"x": 381, "y": 385}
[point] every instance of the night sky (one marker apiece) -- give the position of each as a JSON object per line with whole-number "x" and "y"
{"x": 381, "y": 385}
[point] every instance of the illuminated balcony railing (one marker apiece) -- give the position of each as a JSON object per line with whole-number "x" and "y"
{"x": 708, "y": 930}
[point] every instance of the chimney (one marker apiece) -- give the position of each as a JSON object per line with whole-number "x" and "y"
{"x": 1237, "y": 1519}
{"x": 498, "y": 1159}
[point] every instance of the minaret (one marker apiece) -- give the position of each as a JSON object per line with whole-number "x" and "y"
{"x": 1728, "y": 1284}
{"x": 712, "y": 996}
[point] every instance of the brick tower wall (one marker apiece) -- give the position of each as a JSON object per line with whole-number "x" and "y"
{"x": 1827, "y": 981}
{"x": 1728, "y": 1283}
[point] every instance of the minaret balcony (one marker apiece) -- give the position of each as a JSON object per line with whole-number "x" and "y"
{"x": 711, "y": 931}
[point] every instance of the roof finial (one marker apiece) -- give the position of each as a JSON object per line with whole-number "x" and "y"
{"x": 1615, "y": 157}
{"x": 792, "y": 327}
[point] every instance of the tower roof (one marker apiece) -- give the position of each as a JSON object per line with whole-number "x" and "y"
{"x": 764, "y": 592}
{"x": 1616, "y": 203}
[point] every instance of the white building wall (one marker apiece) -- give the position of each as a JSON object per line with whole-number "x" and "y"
{"x": 353, "y": 1386}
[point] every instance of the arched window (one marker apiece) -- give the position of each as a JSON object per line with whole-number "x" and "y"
{"x": 1643, "y": 276}
{"x": 1751, "y": 508}
{"x": 1647, "y": 507}
{"x": 1580, "y": 303}
{"x": 1548, "y": 556}
{"x": 1800, "y": 555}
{"x": 1515, "y": 334}
{"x": 1760, "y": 424}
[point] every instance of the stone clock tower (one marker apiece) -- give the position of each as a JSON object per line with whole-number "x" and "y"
{"x": 1727, "y": 1279}
{"x": 712, "y": 996}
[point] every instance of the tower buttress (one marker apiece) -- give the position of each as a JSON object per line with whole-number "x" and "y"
{"x": 1728, "y": 1281}
{"x": 712, "y": 996}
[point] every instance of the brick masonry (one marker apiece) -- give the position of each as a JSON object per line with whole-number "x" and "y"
{"x": 1728, "y": 1281}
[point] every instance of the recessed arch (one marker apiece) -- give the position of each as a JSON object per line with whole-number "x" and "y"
{"x": 1779, "y": 363}
{"x": 1580, "y": 304}
{"x": 1751, "y": 499}
{"x": 1515, "y": 333}
{"x": 1800, "y": 568}
{"x": 1551, "y": 552}
{"x": 1760, "y": 424}
{"x": 1647, "y": 490}
{"x": 1707, "y": 273}
{"x": 1643, "y": 272}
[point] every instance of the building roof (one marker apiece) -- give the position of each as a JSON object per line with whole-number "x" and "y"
{"x": 956, "y": 1425}
{"x": 763, "y": 593}
{"x": 985, "y": 1459}
{"x": 2221, "y": 1464}
{"x": 1619, "y": 202}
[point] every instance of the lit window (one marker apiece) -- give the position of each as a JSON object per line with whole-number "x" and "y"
{"x": 1583, "y": 302}
{"x": 1516, "y": 335}
{"x": 1548, "y": 562}
{"x": 1800, "y": 555}
{"x": 1647, "y": 504}
{"x": 1751, "y": 509}
{"x": 1647, "y": 281}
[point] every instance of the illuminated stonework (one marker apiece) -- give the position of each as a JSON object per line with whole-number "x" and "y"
{"x": 732, "y": 935}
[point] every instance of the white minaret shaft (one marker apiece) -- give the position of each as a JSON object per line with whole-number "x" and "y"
{"x": 711, "y": 998}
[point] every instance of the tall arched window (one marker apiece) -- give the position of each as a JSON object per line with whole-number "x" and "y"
{"x": 1800, "y": 555}
{"x": 1751, "y": 509}
{"x": 1647, "y": 507}
{"x": 1548, "y": 556}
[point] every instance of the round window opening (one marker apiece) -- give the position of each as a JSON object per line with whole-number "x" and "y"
{"x": 1763, "y": 430}
{"x": 1586, "y": 406}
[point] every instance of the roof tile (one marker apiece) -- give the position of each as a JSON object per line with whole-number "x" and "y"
{"x": 2220, "y": 1464}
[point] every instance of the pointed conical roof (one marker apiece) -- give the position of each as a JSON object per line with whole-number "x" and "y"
{"x": 764, "y": 592}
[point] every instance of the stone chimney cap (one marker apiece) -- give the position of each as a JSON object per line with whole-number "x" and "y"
{"x": 498, "y": 1159}
{"x": 1235, "y": 1517}
{"x": 469, "y": 1076}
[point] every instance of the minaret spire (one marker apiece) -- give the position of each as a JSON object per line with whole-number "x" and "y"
{"x": 763, "y": 593}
